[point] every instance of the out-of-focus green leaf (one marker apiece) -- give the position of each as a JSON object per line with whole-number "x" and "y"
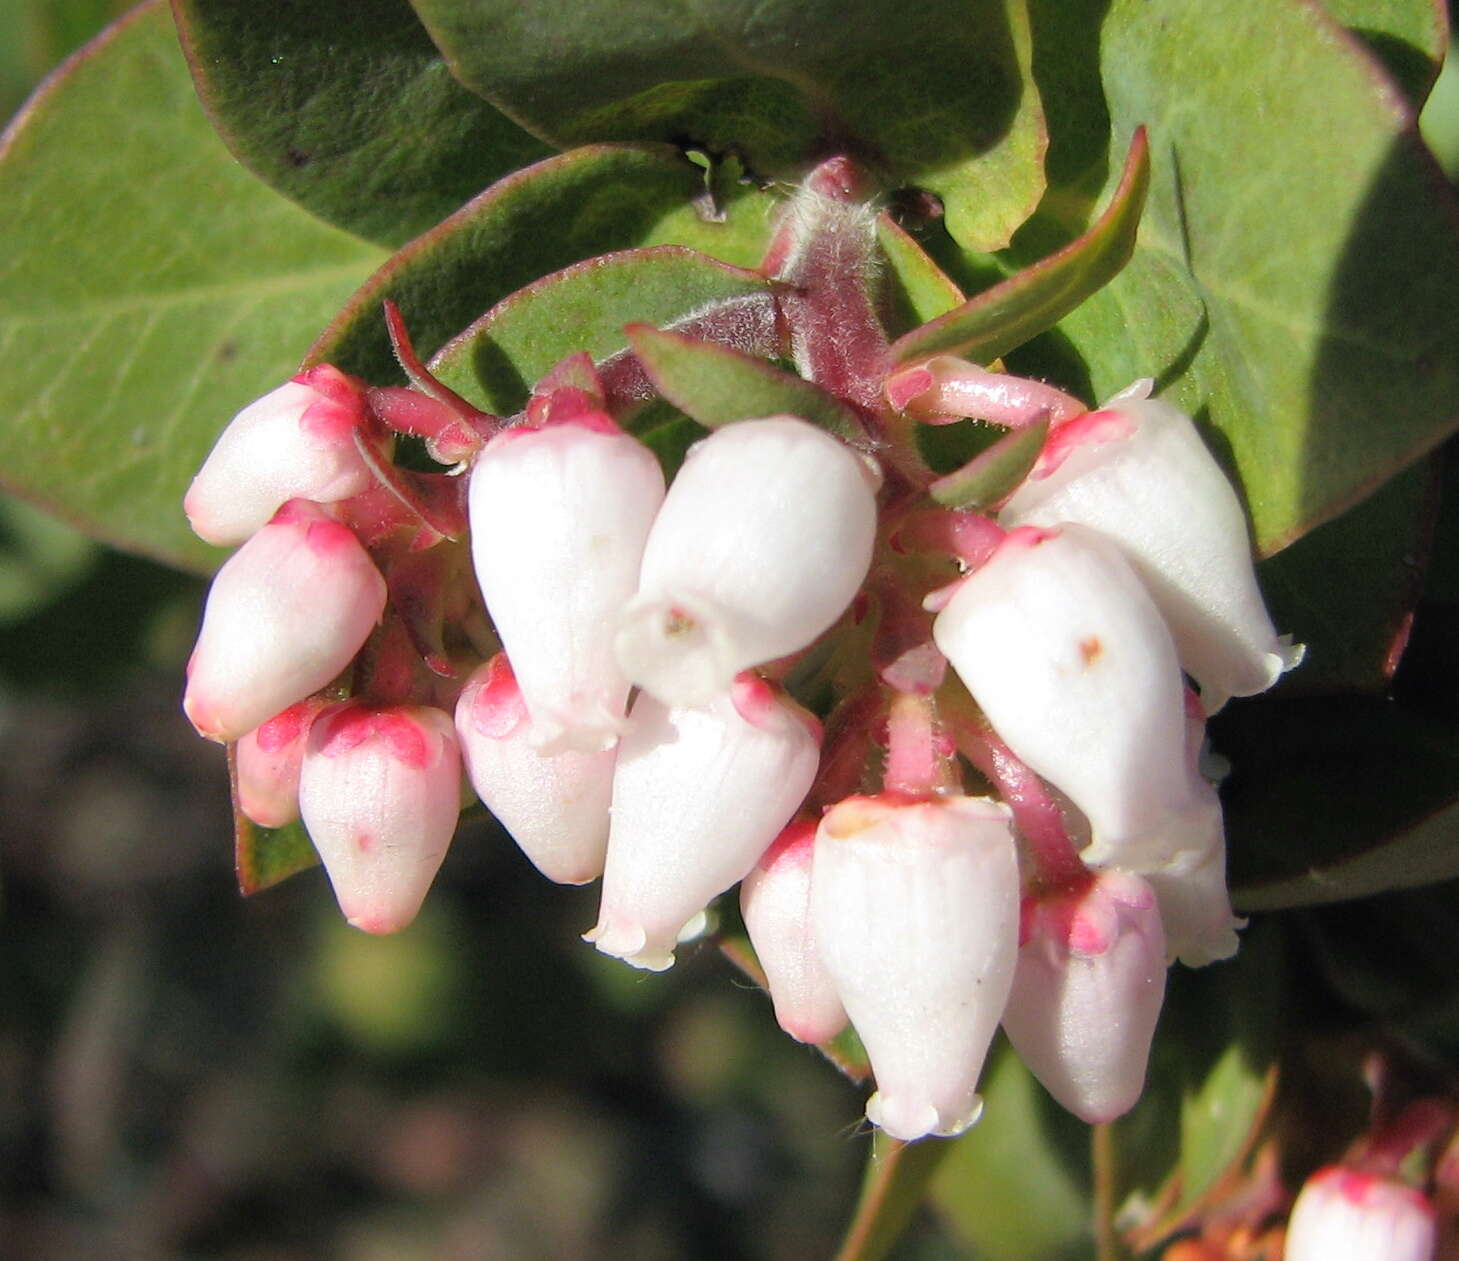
{"x": 1337, "y": 798}
{"x": 1407, "y": 36}
{"x": 1303, "y": 308}
{"x": 347, "y": 107}
{"x": 1016, "y": 1186}
{"x": 942, "y": 97}
{"x": 39, "y": 558}
{"x": 582, "y": 308}
{"x": 558, "y": 212}
{"x": 717, "y": 385}
{"x": 1024, "y": 305}
{"x": 149, "y": 288}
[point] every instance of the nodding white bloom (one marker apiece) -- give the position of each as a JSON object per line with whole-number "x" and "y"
{"x": 559, "y": 516}
{"x": 379, "y": 792}
{"x": 915, "y": 905}
{"x": 1195, "y": 903}
{"x": 775, "y": 900}
{"x": 267, "y": 762}
{"x": 1062, "y": 648}
{"x": 1087, "y": 992}
{"x": 1139, "y": 473}
{"x": 286, "y": 613}
{"x": 296, "y": 442}
{"x": 763, "y": 540}
{"x": 554, "y": 805}
{"x": 698, "y": 795}
{"x": 1347, "y": 1215}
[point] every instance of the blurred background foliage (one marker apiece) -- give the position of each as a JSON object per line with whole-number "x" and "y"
{"x": 184, "y": 1073}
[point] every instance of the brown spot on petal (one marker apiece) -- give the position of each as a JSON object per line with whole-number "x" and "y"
{"x": 1090, "y": 649}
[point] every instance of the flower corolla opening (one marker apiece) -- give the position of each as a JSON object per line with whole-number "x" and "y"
{"x": 763, "y": 540}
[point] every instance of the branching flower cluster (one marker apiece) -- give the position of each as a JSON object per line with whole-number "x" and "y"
{"x": 739, "y": 673}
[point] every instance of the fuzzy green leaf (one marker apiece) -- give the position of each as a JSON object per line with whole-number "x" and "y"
{"x": 990, "y": 476}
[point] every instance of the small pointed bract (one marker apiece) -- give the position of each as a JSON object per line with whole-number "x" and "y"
{"x": 775, "y": 900}
{"x": 1348, "y": 1215}
{"x": 296, "y": 442}
{"x": 379, "y": 793}
{"x": 1062, "y": 648}
{"x": 554, "y": 805}
{"x": 1139, "y": 473}
{"x": 763, "y": 540}
{"x": 915, "y": 905}
{"x": 698, "y": 796}
{"x": 1087, "y": 992}
{"x": 268, "y": 761}
{"x": 559, "y": 516}
{"x": 285, "y": 614}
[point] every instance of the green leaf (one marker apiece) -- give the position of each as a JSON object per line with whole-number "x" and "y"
{"x": 896, "y": 1179}
{"x": 149, "y": 288}
{"x": 39, "y": 559}
{"x": 1035, "y": 299}
{"x": 495, "y": 362}
{"x": 1294, "y": 278}
{"x": 987, "y": 478}
{"x": 347, "y": 107}
{"x": 1016, "y": 1186}
{"x": 262, "y": 857}
{"x": 717, "y": 385}
{"x": 1337, "y": 798}
{"x": 1407, "y": 36}
{"x": 560, "y": 211}
{"x": 924, "y": 289}
{"x": 942, "y": 96}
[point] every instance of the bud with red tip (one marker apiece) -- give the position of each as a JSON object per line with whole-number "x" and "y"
{"x": 559, "y": 516}
{"x": 267, "y": 762}
{"x": 379, "y": 793}
{"x": 775, "y": 900}
{"x": 1139, "y": 473}
{"x": 915, "y": 905}
{"x": 554, "y": 805}
{"x": 1347, "y": 1215}
{"x": 286, "y": 613}
{"x": 698, "y": 795}
{"x": 763, "y": 540}
{"x": 1087, "y": 992}
{"x": 296, "y": 442}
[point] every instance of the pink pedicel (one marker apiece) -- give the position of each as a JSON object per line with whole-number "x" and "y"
{"x": 915, "y": 907}
{"x": 775, "y": 900}
{"x": 285, "y": 615}
{"x": 555, "y": 806}
{"x": 267, "y": 765}
{"x": 945, "y": 389}
{"x": 294, "y": 443}
{"x": 379, "y": 793}
{"x": 1087, "y": 991}
{"x": 1349, "y": 1215}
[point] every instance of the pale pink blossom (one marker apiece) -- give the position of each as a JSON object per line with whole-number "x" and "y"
{"x": 1348, "y": 1215}
{"x": 267, "y": 762}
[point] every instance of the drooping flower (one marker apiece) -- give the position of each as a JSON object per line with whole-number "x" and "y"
{"x": 763, "y": 540}
{"x": 559, "y": 516}
{"x": 1139, "y": 473}
{"x": 286, "y": 613}
{"x": 1195, "y": 901}
{"x": 1348, "y": 1215}
{"x": 296, "y": 442}
{"x": 915, "y": 905}
{"x": 698, "y": 796}
{"x": 379, "y": 793}
{"x": 554, "y": 805}
{"x": 1087, "y": 992}
{"x": 1063, "y": 649}
{"x": 267, "y": 765}
{"x": 775, "y": 900}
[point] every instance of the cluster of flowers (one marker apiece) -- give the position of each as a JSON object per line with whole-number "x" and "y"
{"x": 876, "y": 888}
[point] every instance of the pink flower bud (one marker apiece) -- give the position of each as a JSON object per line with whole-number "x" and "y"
{"x": 379, "y": 793}
{"x": 296, "y": 442}
{"x": 1139, "y": 473}
{"x": 267, "y": 762}
{"x": 558, "y": 522}
{"x": 1087, "y": 992}
{"x": 698, "y": 796}
{"x": 1062, "y": 648}
{"x": 775, "y": 900}
{"x": 286, "y": 613}
{"x": 554, "y": 805}
{"x": 763, "y": 540}
{"x": 1346, "y": 1215}
{"x": 915, "y": 905}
